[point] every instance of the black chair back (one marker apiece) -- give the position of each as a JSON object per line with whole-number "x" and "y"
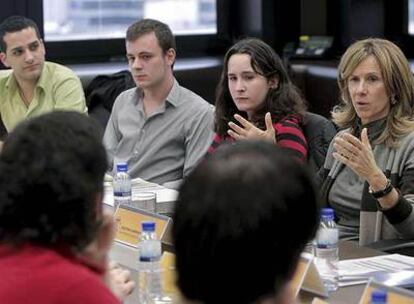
{"x": 319, "y": 132}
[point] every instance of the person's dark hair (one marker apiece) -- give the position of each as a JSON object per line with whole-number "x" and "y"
{"x": 161, "y": 30}
{"x": 14, "y": 24}
{"x": 242, "y": 218}
{"x": 281, "y": 101}
{"x": 51, "y": 173}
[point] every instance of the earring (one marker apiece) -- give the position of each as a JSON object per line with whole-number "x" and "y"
{"x": 393, "y": 100}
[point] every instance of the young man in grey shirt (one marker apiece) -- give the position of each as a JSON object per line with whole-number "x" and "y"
{"x": 159, "y": 128}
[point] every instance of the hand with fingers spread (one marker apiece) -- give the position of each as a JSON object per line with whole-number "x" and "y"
{"x": 357, "y": 154}
{"x": 247, "y": 130}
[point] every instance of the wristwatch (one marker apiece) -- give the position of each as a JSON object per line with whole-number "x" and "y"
{"x": 378, "y": 194}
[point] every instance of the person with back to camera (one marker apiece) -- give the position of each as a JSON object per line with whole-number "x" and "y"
{"x": 54, "y": 236}
{"x": 230, "y": 239}
{"x": 368, "y": 175}
{"x": 256, "y": 99}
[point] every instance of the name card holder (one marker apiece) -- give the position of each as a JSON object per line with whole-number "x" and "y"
{"x": 307, "y": 277}
{"x": 128, "y": 221}
{"x": 395, "y": 295}
{"x": 318, "y": 301}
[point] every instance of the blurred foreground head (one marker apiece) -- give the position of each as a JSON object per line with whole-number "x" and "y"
{"x": 51, "y": 177}
{"x": 242, "y": 219}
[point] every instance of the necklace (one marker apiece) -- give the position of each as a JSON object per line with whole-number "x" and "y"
{"x": 24, "y": 98}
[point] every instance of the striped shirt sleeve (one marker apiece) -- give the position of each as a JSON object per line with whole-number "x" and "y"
{"x": 217, "y": 140}
{"x": 290, "y": 136}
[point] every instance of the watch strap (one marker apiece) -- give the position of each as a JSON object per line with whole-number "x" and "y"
{"x": 378, "y": 194}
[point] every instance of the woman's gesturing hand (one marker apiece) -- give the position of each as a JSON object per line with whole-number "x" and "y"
{"x": 249, "y": 131}
{"x": 357, "y": 154}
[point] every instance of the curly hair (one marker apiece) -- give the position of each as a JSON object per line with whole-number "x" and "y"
{"x": 281, "y": 101}
{"x": 51, "y": 172}
{"x": 399, "y": 84}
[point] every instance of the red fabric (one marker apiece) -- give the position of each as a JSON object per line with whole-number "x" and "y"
{"x": 39, "y": 275}
{"x": 289, "y": 135}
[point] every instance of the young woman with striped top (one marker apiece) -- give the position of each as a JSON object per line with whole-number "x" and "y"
{"x": 256, "y": 100}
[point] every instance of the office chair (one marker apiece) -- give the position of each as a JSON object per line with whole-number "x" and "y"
{"x": 319, "y": 132}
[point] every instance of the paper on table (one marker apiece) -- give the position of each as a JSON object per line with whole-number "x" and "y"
{"x": 139, "y": 185}
{"x": 358, "y": 271}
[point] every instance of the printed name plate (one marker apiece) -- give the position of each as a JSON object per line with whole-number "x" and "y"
{"x": 128, "y": 225}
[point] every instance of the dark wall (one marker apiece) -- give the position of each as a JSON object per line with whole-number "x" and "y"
{"x": 275, "y": 21}
{"x": 350, "y": 20}
{"x": 281, "y": 22}
{"x": 6, "y": 8}
{"x": 396, "y": 25}
{"x": 313, "y": 17}
{"x": 29, "y": 8}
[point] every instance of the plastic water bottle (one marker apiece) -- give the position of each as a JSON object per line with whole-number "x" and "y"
{"x": 378, "y": 297}
{"x": 326, "y": 250}
{"x": 310, "y": 248}
{"x": 122, "y": 186}
{"x": 149, "y": 268}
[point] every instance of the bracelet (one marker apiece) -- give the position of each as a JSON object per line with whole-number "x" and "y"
{"x": 378, "y": 194}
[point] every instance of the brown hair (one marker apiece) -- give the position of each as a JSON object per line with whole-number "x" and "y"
{"x": 161, "y": 30}
{"x": 281, "y": 101}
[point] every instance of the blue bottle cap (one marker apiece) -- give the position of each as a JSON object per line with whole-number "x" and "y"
{"x": 122, "y": 167}
{"x": 148, "y": 226}
{"x": 379, "y": 296}
{"x": 327, "y": 213}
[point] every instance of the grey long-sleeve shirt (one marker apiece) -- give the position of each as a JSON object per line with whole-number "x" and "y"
{"x": 374, "y": 223}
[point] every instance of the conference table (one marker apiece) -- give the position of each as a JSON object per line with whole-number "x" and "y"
{"x": 125, "y": 255}
{"x": 349, "y": 294}
{"x": 128, "y": 257}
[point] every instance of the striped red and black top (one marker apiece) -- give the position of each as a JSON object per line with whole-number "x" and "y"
{"x": 289, "y": 135}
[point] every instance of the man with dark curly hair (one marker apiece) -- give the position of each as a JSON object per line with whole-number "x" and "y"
{"x": 54, "y": 236}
